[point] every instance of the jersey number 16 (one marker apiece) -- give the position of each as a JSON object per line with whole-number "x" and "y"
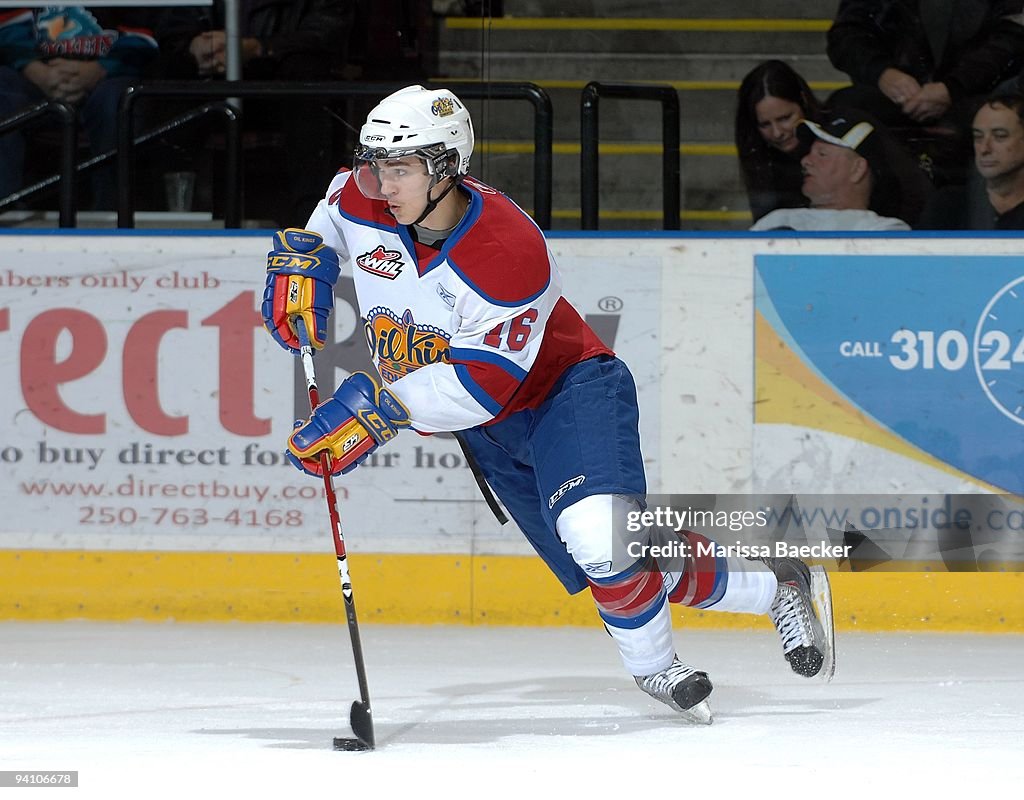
{"x": 515, "y": 332}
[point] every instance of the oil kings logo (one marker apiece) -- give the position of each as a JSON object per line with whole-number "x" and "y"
{"x": 400, "y": 345}
{"x": 442, "y": 107}
{"x": 382, "y": 263}
{"x": 569, "y": 485}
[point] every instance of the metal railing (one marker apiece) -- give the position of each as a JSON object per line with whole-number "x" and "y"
{"x": 68, "y": 118}
{"x": 224, "y": 90}
{"x": 67, "y": 177}
{"x": 589, "y": 143}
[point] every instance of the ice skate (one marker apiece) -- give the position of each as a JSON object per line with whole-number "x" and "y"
{"x": 682, "y": 688}
{"x": 802, "y": 614}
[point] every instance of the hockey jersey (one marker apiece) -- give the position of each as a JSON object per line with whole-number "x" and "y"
{"x": 467, "y": 334}
{"x": 119, "y": 39}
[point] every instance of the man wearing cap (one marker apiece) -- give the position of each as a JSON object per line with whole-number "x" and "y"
{"x": 844, "y": 168}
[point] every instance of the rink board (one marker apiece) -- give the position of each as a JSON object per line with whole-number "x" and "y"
{"x": 423, "y": 589}
{"x": 145, "y": 411}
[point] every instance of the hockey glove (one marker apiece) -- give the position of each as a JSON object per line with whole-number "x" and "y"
{"x": 350, "y": 426}
{"x": 301, "y": 273}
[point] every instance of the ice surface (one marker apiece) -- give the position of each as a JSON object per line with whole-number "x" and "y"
{"x": 145, "y": 710}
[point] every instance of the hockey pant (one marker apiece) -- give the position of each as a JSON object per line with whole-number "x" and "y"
{"x": 633, "y": 594}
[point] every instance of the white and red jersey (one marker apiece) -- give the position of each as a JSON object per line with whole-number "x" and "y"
{"x": 467, "y": 334}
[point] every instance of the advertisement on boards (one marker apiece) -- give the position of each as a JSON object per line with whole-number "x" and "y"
{"x": 910, "y": 368}
{"x": 144, "y": 405}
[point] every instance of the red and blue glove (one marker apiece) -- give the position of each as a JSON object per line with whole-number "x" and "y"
{"x": 301, "y": 273}
{"x": 350, "y": 426}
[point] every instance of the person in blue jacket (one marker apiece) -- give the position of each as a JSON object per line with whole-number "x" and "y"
{"x": 79, "y": 55}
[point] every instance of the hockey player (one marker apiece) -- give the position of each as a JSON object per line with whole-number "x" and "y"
{"x": 463, "y": 312}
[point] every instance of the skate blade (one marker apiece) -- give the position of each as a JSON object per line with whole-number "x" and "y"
{"x": 821, "y": 598}
{"x": 699, "y": 714}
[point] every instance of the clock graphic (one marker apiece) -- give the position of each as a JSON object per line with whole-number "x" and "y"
{"x": 999, "y": 350}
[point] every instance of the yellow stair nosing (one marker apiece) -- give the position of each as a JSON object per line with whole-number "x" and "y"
{"x": 736, "y": 25}
{"x": 607, "y": 148}
{"x": 683, "y": 86}
{"x": 691, "y": 215}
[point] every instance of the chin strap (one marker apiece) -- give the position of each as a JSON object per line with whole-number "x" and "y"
{"x": 432, "y": 204}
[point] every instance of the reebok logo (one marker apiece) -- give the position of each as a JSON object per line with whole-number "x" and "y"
{"x": 570, "y": 484}
{"x": 382, "y": 263}
{"x": 446, "y": 296}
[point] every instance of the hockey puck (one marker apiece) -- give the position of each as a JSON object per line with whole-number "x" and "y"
{"x": 341, "y": 743}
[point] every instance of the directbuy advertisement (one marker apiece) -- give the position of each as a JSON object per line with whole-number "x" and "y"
{"x": 144, "y": 406}
{"x": 920, "y": 358}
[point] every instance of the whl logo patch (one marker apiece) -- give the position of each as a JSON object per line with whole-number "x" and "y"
{"x": 383, "y": 263}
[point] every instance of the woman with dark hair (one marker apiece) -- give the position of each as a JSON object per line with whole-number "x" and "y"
{"x": 772, "y": 100}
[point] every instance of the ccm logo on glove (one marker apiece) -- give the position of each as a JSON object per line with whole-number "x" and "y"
{"x": 280, "y": 262}
{"x": 301, "y": 273}
{"x": 349, "y": 427}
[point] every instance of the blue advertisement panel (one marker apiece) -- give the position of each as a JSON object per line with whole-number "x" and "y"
{"x": 924, "y": 354}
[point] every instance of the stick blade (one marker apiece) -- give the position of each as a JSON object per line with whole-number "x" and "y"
{"x": 349, "y": 745}
{"x": 362, "y": 726}
{"x": 362, "y": 723}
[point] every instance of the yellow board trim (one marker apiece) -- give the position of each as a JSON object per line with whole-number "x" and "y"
{"x": 636, "y": 24}
{"x": 42, "y": 585}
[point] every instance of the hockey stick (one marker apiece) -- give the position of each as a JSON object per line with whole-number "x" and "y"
{"x": 481, "y": 481}
{"x": 360, "y": 717}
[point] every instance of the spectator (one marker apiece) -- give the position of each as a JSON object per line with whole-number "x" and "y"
{"x": 772, "y": 100}
{"x": 395, "y": 39}
{"x": 844, "y": 167}
{"x": 920, "y": 68}
{"x": 300, "y": 40}
{"x": 994, "y": 198}
{"x": 281, "y": 40}
{"x": 83, "y": 56}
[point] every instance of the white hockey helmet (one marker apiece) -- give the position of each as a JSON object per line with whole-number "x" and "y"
{"x": 430, "y": 123}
